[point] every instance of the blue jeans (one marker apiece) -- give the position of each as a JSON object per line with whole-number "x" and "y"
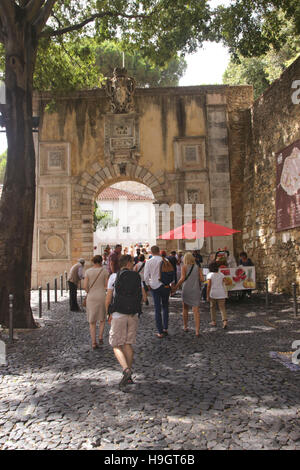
{"x": 161, "y": 299}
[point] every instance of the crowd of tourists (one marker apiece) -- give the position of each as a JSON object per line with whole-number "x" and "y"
{"x": 119, "y": 283}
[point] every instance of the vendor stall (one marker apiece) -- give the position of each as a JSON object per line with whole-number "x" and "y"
{"x": 240, "y": 278}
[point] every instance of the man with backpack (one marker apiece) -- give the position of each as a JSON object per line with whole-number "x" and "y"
{"x": 159, "y": 275}
{"x": 123, "y": 305}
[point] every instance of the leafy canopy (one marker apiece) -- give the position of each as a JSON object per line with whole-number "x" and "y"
{"x": 150, "y": 31}
{"x": 263, "y": 70}
{"x": 251, "y": 27}
{"x": 82, "y": 64}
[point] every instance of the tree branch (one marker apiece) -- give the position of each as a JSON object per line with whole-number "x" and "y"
{"x": 23, "y": 3}
{"x": 7, "y": 12}
{"x": 92, "y": 18}
{"x": 44, "y": 15}
{"x": 32, "y": 9}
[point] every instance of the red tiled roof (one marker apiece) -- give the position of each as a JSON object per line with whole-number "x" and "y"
{"x": 114, "y": 194}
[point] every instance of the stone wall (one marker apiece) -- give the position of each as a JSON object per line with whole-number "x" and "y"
{"x": 239, "y": 102}
{"x": 275, "y": 125}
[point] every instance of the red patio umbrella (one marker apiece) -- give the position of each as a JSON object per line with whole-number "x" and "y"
{"x": 197, "y": 228}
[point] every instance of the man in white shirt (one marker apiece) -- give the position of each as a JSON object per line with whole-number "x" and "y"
{"x": 160, "y": 292}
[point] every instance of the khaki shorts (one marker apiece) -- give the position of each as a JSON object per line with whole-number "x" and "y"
{"x": 123, "y": 330}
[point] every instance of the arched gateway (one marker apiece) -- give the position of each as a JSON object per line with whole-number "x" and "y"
{"x": 184, "y": 143}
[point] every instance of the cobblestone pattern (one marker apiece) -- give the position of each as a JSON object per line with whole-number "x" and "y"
{"x": 222, "y": 391}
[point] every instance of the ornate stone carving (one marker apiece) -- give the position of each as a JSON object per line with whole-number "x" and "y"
{"x": 193, "y": 196}
{"x": 54, "y": 202}
{"x": 121, "y": 139}
{"x": 53, "y": 245}
{"x": 120, "y": 90}
{"x": 54, "y": 159}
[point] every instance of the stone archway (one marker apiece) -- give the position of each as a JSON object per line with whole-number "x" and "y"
{"x": 89, "y": 185}
{"x": 181, "y": 142}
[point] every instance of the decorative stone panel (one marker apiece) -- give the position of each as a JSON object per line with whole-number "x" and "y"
{"x": 54, "y": 202}
{"x": 53, "y": 246}
{"x": 54, "y": 159}
{"x": 190, "y": 153}
{"x": 121, "y": 139}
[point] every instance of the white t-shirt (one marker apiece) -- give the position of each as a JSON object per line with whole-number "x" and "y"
{"x": 217, "y": 289}
{"x": 111, "y": 285}
{"x": 152, "y": 272}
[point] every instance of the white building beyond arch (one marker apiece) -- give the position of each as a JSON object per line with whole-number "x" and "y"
{"x": 133, "y": 216}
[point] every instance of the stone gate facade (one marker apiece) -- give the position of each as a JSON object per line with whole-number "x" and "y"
{"x": 185, "y": 143}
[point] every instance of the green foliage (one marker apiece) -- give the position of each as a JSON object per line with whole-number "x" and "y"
{"x": 251, "y": 28}
{"x": 151, "y": 32}
{"x": 249, "y": 71}
{"x": 263, "y": 70}
{"x": 109, "y": 56}
{"x": 3, "y": 158}
{"x": 82, "y": 64}
{"x": 157, "y": 29}
{"x": 63, "y": 65}
{"x": 103, "y": 220}
{"x": 79, "y": 34}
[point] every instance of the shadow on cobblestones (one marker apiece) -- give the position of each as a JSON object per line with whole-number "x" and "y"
{"x": 221, "y": 391}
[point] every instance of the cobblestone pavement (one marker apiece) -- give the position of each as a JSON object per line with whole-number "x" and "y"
{"x": 222, "y": 391}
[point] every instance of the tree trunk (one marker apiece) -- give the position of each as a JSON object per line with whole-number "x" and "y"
{"x": 17, "y": 205}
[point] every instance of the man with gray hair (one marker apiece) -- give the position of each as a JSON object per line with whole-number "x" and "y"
{"x": 75, "y": 276}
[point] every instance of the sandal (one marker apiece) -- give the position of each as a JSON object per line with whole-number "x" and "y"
{"x": 213, "y": 323}
{"x": 95, "y": 346}
{"x": 185, "y": 330}
{"x": 100, "y": 341}
{"x": 159, "y": 335}
{"x": 225, "y": 324}
{"x": 165, "y": 332}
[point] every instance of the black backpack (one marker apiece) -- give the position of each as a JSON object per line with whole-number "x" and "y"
{"x": 128, "y": 293}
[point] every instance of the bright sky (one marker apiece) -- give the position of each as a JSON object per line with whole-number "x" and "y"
{"x": 205, "y": 67}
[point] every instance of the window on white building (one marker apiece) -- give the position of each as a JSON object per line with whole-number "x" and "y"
{"x": 126, "y": 229}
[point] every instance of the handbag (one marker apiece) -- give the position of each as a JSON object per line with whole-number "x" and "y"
{"x": 85, "y": 298}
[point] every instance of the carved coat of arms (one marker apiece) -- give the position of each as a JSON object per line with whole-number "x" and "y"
{"x": 120, "y": 89}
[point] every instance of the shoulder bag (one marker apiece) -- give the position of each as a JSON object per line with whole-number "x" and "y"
{"x": 85, "y": 298}
{"x": 190, "y": 272}
{"x": 140, "y": 269}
